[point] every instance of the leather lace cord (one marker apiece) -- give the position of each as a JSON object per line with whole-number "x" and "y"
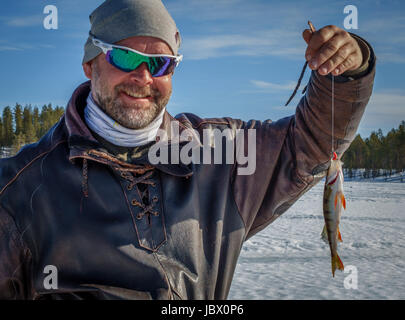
{"x": 142, "y": 182}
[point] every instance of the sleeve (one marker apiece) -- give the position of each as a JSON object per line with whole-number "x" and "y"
{"x": 293, "y": 154}
{"x": 14, "y": 261}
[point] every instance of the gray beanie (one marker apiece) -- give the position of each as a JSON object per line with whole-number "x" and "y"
{"x": 116, "y": 20}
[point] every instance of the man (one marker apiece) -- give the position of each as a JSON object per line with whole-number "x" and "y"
{"x": 86, "y": 203}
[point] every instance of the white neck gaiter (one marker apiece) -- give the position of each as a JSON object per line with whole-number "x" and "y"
{"x": 98, "y": 121}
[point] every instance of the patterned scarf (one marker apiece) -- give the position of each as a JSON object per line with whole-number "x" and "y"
{"x": 98, "y": 121}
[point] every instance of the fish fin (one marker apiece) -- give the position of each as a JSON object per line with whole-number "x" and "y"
{"x": 342, "y": 197}
{"x": 336, "y": 264}
{"x": 324, "y": 234}
{"x": 339, "y": 235}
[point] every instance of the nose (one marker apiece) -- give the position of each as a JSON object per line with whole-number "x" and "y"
{"x": 141, "y": 75}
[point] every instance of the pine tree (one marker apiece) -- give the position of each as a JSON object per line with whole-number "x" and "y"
{"x": 1, "y": 133}
{"x": 18, "y": 119}
{"x": 8, "y": 133}
{"x": 28, "y": 127}
{"x": 36, "y": 123}
{"x": 46, "y": 119}
{"x": 58, "y": 113}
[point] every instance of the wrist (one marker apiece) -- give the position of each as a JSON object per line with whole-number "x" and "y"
{"x": 365, "y": 51}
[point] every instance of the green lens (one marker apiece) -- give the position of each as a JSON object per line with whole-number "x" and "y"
{"x": 126, "y": 60}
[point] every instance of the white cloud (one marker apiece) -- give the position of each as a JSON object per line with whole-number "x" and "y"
{"x": 274, "y": 42}
{"x": 273, "y": 86}
{"x": 9, "y": 48}
{"x": 244, "y": 13}
{"x": 391, "y": 57}
{"x": 25, "y": 46}
{"x": 385, "y": 110}
{"x": 222, "y": 28}
{"x": 386, "y": 33}
{"x": 228, "y": 26}
{"x": 27, "y": 21}
{"x": 387, "y": 104}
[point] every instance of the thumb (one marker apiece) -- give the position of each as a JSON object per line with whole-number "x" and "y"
{"x": 307, "y": 35}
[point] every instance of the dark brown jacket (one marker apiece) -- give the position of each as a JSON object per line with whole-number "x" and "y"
{"x": 120, "y": 230}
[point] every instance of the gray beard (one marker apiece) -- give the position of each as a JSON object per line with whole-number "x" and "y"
{"x": 129, "y": 117}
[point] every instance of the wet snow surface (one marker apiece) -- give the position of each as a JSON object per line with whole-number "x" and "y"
{"x": 288, "y": 260}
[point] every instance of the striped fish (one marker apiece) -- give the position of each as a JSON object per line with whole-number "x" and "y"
{"x": 333, "y": 201}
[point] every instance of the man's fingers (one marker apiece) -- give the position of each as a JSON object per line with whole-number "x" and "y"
{"x": 332, "y": 49}
{"x": 307, "y": 35}
{"x": 329, "y": 49}
{"x": 331, "y": 63}
{"x": 345, "y": 65}
{"x": 318, "y": 39}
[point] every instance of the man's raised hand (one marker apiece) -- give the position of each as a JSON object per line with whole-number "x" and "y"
{"x": 332, "y": 50}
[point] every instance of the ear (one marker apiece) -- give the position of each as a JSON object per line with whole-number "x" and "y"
{"x": 88, "y": 69}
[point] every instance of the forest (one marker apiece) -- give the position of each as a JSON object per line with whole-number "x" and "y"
{"x": 23, "y": 125}
{"x": 377, "y": 152}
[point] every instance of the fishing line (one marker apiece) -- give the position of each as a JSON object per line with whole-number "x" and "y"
{"x": 333, "y": 112}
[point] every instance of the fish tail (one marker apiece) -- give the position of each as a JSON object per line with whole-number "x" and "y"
{"x": 336, "y": 264}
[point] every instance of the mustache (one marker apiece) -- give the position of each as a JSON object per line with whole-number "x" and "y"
{"x": 144, "y": 91}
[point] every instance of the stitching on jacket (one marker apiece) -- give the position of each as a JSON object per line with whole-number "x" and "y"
{"x": 178, "y": 294}
{"x": 209, "y": 122}
{"x": 351, "y": 117}
{"x": 28, "y": 165}
{"x": 182, "y": 123}
{"x": 56, "y": 126}
{"x": 85, "y": 178}
{"x": 32, "y": 214}
{"x": 31, "y": 207}
{"x": 232, "y": 184}
{"x": 170, "y": 297}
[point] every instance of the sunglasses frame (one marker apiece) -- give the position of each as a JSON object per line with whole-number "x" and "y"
{"x": 108, "y": 47}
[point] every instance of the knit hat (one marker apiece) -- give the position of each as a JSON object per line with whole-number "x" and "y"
{"x": 116, "y": 20}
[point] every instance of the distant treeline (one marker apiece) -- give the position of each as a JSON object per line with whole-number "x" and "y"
{"x": 378, "y": 151}
{"x": 22, "y": 125}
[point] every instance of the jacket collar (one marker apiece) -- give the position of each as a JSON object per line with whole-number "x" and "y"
{"x": 82, "y": 143}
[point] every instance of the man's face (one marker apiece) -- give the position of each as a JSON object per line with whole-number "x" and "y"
{"x": 133, "y": 99}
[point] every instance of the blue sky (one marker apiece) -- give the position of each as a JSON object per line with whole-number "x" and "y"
{"x": 241, "y": 57}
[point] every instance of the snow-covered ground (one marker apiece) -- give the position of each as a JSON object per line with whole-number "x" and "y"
{"x": 288, "y": 260}
{"x": 5, "y": 152}
{"x": 361, "y": 175}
